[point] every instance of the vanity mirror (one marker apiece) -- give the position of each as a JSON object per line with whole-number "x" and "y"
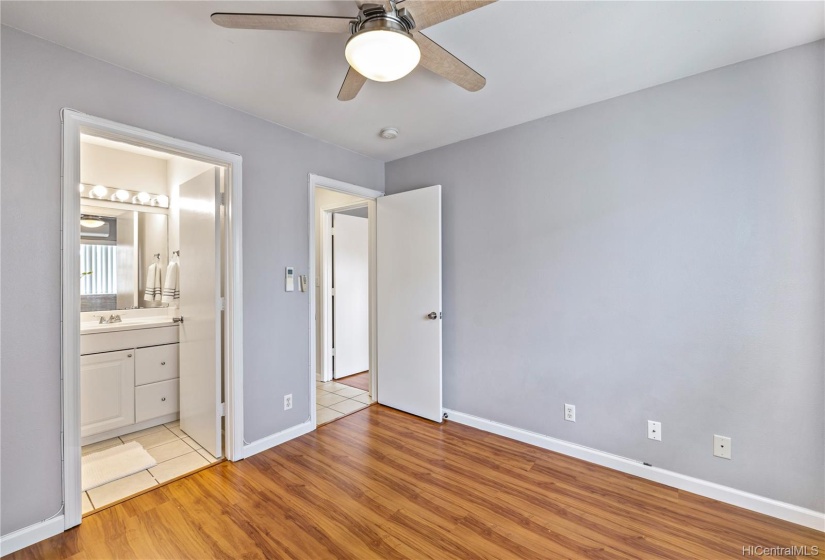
{"x": 124, "y": 253}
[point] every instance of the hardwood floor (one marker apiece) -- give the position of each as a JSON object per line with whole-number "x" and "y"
{"x": 359, "y": 380}
{"x": 383, "y": 484}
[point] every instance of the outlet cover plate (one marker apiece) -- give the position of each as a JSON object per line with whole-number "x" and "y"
{"x": 570, "y": 412}
{"x": 654, "y": 430}
{"x": 288, "y": 401}
{"x": 722, "y": 446}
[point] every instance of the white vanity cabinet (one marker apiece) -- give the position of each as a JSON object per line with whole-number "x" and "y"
{"x": 128, "y": 381}
{"x": 107, "y": 387}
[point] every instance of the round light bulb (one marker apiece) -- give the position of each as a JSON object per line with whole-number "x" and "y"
{"x": 163, "y": 201}
{"x": 100, "y": 191}
{"x": 80, "y": 187}
{"x": 122, "y": 195}
{"x": 143, "y": 197}
{"x": 382, "y": 55}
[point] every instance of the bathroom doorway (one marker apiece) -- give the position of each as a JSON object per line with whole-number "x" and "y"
{"x": 151, "y": 311}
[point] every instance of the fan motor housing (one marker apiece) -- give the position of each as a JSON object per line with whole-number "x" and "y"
{"x": 374, "y": 16}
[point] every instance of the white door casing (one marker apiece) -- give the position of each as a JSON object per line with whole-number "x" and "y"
{"x": 409, "y": 302}
{"x": 200, "y": 334}
{"x": 350, "y": 264}
{"x": 74, "y": 124}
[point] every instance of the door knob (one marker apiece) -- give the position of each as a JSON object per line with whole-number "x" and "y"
{"x": 432, "y": 315}
{"x": 177, "y": 319}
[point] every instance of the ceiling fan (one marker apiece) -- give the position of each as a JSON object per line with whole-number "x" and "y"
{"x": 385, "y": 41}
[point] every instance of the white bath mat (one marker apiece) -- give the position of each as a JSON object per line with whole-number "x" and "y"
{"x": 114, "y": 463}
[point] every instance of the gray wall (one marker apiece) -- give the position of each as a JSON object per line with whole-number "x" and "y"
{"x": 38, "y": 79}
{"x": 655, "y": 256}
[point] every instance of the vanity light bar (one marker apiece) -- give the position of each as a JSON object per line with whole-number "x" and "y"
{"x": 125, "y": 196}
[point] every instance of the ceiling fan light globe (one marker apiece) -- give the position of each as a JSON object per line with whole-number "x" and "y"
{"x": 382, "y": 55}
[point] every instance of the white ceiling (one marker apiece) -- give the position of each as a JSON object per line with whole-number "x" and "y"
{"x": 124, "y": 147}
{"x": 539, "y": 58}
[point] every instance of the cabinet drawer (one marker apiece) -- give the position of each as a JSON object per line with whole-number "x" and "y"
{"x": 156, "y": 363}
{"x": 156, "y": 399}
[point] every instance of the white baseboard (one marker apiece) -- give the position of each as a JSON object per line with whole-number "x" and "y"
{"x": 753, "y": 502}
{"x": 27, "y": 536}
{"x": 263, "y": 444}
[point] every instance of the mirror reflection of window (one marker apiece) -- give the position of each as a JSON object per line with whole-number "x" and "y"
{"x": 98, "y": 269}
{"x": 98, "y": 262}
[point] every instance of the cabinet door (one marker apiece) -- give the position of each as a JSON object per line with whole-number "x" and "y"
{"x": 107, "y": 391}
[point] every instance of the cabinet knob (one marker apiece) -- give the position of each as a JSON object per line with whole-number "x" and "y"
{"x": 163, "y": 399}
{"x": 128, "y": 355}
{"x": 163, "y": 363}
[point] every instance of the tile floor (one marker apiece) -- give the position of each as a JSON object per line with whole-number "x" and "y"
{"x": 175, "y": 452}
{"x": 334, "y": 400}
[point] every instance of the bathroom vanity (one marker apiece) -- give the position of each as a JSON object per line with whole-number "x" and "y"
{"x": 128, "y": 374}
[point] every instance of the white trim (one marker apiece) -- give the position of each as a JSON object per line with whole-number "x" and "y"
{"x": 75, "y": 123}
{"x": 281, "y": 437}
{"x": 340, "y": 186}
{"x": 726, "y": 494}
{"x": 372, "y": 214}
{"x": 30, "y": 535}
{"x": 323, "y": 307}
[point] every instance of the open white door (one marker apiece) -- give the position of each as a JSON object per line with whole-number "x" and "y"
{"x": 351, "y": 299}
{"x": 200, "y": 334}
{"x": 409, "y": 302}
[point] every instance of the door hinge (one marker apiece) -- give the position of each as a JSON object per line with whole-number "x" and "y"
{"x": 223, "y": 199}
{"x": 332, "y": 291}
{"x": 223, "y": 409}
{"x": 332, "y": 352}
{"x": 223, "y": 304}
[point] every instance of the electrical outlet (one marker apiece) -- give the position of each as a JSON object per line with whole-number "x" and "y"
{"x": 570, "y": 412}
{"x": 288, "y": 401}
{"x": 722, "y": 446}
{"x": 654, "y": 430}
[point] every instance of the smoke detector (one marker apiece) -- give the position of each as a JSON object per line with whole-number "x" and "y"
{"x": 388, "y": 133}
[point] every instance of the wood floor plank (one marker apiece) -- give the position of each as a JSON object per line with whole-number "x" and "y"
{"x": 383, "y": 484}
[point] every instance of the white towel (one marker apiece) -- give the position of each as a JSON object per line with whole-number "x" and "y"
{"x": 171, "y": 289}
{"x": 153, "y": 285}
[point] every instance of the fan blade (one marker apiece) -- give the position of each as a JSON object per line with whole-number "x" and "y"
{"x": 436, "y": 58}
{"x": 351, "y": 86}
{"x": 284, "y": 22}
{"x": 430, "y": 12}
